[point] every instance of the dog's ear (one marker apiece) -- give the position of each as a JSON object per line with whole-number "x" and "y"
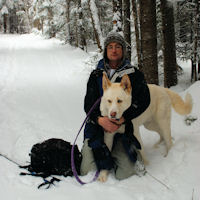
{"x": 126, "y": 83}
{"x": 106, "y": 82}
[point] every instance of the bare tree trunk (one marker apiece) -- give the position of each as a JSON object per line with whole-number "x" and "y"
{"x": 169, "y": 49}
{"x": 127, "y": 28}
{"x": 5, "y": 22}
{"x": 149, "y": 40}
{"x": 95, "y": 24}
{"x": 81, "y": 30}
{"x": 51, "y": 32}
{"x": 42, "y": 25}
{"x": 68, "y": 38}
{"x": 183, "y": 31}
{"x": 76, "y": 30}
{"x": 13, "y": 21}
{"x": 27, "y": 5}
{"x": 137, "y": 33}
{"x": 194, "y": 66}
{"x": 193, "y": 71}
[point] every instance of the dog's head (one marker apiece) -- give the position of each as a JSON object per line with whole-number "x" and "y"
{"x": 116, "y": 97}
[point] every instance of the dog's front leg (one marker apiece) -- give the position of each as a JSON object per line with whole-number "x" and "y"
{"x": 103, "y": 176}
{"x": 108, "y": 139}
{"x": 137, "y": 135}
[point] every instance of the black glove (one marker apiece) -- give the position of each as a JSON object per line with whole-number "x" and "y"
{"x": 130, "y": 142}
{"x": 103, "y": 158}
{"x": 101, "y": 153}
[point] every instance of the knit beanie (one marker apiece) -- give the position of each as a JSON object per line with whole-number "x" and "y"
{"x": 114, "y": 37}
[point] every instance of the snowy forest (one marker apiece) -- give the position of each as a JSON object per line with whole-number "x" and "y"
{"x": 48, "y": 49}
{"x": 157, "y": 32}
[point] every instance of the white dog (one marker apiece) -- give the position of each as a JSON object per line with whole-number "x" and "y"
{"x": 157, "y": 117}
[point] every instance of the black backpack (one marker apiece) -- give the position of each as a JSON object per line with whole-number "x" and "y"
{"x": 52, "y": 157}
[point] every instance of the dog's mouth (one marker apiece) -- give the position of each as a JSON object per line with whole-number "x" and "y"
{"x": 114, "y": 118}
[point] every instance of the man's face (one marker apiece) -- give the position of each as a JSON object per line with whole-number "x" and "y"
{"x": 114, "y": 52}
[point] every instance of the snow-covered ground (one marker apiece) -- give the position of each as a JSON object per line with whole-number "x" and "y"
{"x": 42, "y": 87}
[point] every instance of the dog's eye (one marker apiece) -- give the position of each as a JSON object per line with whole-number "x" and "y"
{"x": 119, "y": 101}
{"x": 109, "y": 101}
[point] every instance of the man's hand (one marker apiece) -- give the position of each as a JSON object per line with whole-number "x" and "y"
{"x": 110, "y": 125}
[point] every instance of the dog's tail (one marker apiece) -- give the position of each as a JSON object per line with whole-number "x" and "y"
{"x": 180, "y": 106}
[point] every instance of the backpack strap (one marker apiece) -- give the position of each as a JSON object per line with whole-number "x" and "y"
{"x": 49, "y": 183}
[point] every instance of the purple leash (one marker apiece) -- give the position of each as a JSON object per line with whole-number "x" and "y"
{"x": 72, "y": 151}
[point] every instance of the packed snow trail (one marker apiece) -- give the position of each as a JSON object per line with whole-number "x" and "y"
{"x": 42, "y": 88}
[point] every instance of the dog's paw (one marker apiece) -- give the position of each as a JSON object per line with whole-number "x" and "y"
{"x": 146, "y": 162}
{"x": 156, "y": 145}
{"x": 103, "y": 176}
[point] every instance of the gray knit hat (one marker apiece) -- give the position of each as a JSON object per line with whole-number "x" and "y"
{"x": 114, "y": 37}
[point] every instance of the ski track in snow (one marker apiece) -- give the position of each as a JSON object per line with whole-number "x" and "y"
{"x": 42, "y": 88}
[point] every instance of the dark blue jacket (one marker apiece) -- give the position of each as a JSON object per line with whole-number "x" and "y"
{"x": 140, "y": 98}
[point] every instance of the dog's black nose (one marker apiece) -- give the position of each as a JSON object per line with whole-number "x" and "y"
{"x": 113, "y": 114}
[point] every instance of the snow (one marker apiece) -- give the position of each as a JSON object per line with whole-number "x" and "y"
{"x": 4, "y": 10}
{"x": 42, "y": 87}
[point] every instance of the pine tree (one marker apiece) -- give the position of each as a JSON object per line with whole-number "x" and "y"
{"x": 195, "y": 43}
{"x": 149, "y": 40}
{"x": 81, "y": 30}
{"x": 137, "y": 31}
{"x": 95, "y": 24}
{"x": 127, "y": 27}
{"x": 169, "y": 49}
{"x": 67, "y": 25}
{"x": 188, "y": 40}
{"x": 4, "y": 13}
{"x": 117, "y": 15}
